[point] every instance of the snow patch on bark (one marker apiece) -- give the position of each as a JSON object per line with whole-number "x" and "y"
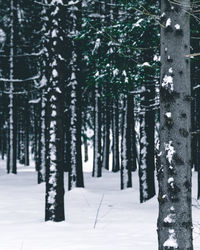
{"x": 171, "y": 241}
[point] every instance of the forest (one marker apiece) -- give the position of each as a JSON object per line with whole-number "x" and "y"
{"x": 99, "y": 124}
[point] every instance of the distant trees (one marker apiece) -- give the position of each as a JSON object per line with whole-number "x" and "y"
{"x": 174, "y": 172}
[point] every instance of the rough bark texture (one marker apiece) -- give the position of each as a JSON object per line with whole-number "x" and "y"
{"x": 76, "y": 169}
{"x": 97, "y": 164}
{"x": 174, "y": 173}
{"x": 115, "y": 135}
{"x": 126, "y": 176}
{"x": 106, "y": 136}
{"x": 54, "y": 205}
{"x": 11, "y": 156}
{"x": 147, "y": 161}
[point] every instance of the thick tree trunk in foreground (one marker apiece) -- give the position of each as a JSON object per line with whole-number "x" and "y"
{"x": 174, "y": 173}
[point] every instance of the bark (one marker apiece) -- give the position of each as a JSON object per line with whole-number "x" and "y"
{"x": 11, "y": 156}
{"x": 174, "y": 173}
{"x": 147, "y": 160}
{"x": 41, "y": 168}
{"x": 26, "y": 133}
{"x": 106, "y": 136}
{"x": 115, "y": 135}
{"x": 97, "y": 164}
{"x": 76, "y": 168}
{"x": 131, "y": 121}
{"x": 54, "y": 205}
{"x": 126, "y": 176}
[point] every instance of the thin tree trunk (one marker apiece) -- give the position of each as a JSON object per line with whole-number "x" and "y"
{"x": 11, "y": 162}
{"x": 115, "y": 135}
{"x": 126, "y": 176}
{"x": 97, "y": 164}
{"x": 106, "y": 137}
{"x": 147, "y": 160}
{"x": 76, "y": 168}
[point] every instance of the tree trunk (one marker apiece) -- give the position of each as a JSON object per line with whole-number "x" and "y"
{"x": 115, "y": 135}
{"x": 54, "y": 205}
{"x": 147, "y": 160}
{"x": 126, "y": 176}
{"x": 97, "y": 164}
{"x": 11, "y": 157}
{"x": 76, "y": 168}
{"x": 106, "y": 138}
{"x": 174, "y": 173}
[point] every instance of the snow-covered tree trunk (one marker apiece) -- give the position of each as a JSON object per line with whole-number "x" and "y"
{"x": 106, "y": 136}
{"x": 97, "y": 164}
{"x": 126, "y": 176}
{"x": 11, "y": 157}
{"x": 147, "y": 161}
{"x": 54, "y": 206}
{"x": 115, "y": 136}
{"x": 131, "y": 121}
{"x": 21, "y": 146}
{"x": 42, "y": 141}
{"x": 174, "y": 173}
{"x": 26, "y": 133}
{"x": 75, "y": 171}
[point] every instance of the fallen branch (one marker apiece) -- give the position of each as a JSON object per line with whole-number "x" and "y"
{"x": 97, "y": 214}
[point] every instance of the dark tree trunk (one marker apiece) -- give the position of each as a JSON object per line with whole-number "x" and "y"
{"x": 76, "y": 168}
{"x": 115, "y": 135}
{"x": 131, "y": 121}
{"x": 26, "y": 133}
{"x": 54, "y": 206}
{"x": 126, "y": 166}
{"x": 97, "y": 163}
{"x": 147, "y": 159}
{"x": 106, "y": 136}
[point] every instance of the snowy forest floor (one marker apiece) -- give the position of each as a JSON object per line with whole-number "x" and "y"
{"x": 123, "y": 223}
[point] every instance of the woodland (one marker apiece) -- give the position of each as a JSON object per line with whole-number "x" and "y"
{"x": 110, "y": 86}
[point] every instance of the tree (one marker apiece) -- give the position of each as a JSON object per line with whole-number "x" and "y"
{"x": 54, "y": 206}
{"x": 75, "y": 82}
{"x": 174, "y": 173}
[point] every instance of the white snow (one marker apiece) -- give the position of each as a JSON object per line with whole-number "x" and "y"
{"x": 168, "y": 114}
{"x": 170, "y": 218}
{"x": 55, "y": 73}
{"x": 177, "y": 26}
{"x": 122, "y": 224}
{"x": 168, "y": 82}
{"x": 145, "y": 64}
{"x": 169, "y": 151}
{"x": 170, "y": 70}
{"x": 170, "y": 180}
{"x": 171, "y": 241}
{"x": 156, "y": 58}
{"x": 168, "y": 22}
{"x": 2, "y": 36}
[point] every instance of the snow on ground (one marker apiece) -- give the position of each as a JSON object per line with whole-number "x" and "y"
{"x": 123, "y": 223}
